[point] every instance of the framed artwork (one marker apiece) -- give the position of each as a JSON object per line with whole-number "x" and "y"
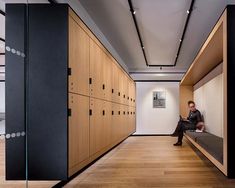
{"x": 159, "y": 99}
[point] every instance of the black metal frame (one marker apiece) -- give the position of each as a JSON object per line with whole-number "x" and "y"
{"x": 141, "y": 41}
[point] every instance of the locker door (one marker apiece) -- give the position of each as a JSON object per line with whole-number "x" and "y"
{"x": 120, "y": 84}
{"x": 78, "y": 131}
{"x": 107, "y": 90}
{"x": 96, "y": 70}
{"x": 97, "y": 126}
{"x": 115, "y": 82}
{"x": 115, "y": 123}
{"x": 78, "y": 59}
{"x": 107, "y": 122}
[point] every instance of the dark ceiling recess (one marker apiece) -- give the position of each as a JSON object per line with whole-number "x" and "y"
{"x": 181, "y": 40}
{"x": 52, "y": 1}
{"x": 2, "y": 12}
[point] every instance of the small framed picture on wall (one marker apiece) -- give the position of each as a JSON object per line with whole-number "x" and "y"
{"x": 159, "y": 99}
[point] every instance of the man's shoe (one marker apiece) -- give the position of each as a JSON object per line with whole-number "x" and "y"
{"x": 178, "y": 144}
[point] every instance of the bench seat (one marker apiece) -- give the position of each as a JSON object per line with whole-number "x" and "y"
{"x": 211, "y": 143}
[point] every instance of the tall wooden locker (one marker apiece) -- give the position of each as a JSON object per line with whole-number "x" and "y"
{"x": 107, "y": 77}
{"x": 97, "y": 125}
{"x": 78, "y": 59}
{"x": 78, "y": 131}
{"x": 115, "y": 82}
{"x": 96, "y": 70}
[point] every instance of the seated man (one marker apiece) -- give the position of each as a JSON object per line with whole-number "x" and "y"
{"x": 190, "y": 123}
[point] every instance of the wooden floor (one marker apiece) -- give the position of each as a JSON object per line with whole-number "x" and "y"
{"x": 150, "y": 161}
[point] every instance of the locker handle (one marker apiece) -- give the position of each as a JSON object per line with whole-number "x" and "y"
{"x": 128, "y": 112}
{"x": 124, "y": 96}
{"x": 90, "y": 112}
{"x": 112, "y": 112}
{"x": 69, "y": 71}
{"x": 103, "y": 86}
{"x": 131, "y": 99}
{"x": 112, "y": 90}
{"x": 119, "y": 93}
{"x": 124, "y": 112}
{"x": 128, "y": 98}
{"x": 119, "y": 112}
{"x": 103, "y": 112}
{"x": 90, "y": 80}
{"x": 69, "y": 112}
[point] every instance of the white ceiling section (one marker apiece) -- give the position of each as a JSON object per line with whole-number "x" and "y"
{"x": 113, "y": 17}
{"x": 161, "y": 26}
{"x": 161, "y": 23}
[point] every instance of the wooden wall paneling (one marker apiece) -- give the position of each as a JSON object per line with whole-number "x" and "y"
{"x": 78, "y": 131}
{"x": 78, "y": 59}
{"x": 186, "y": 94}
{"x": 225, "y": 94}
{"x": 97, "y": 126}
{"x": 96, "y": 70}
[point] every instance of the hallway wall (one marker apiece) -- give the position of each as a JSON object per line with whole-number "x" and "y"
{"x": 151, "y": 120}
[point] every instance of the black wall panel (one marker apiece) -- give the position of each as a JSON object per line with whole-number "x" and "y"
{"x": 15, "y": 91}
{"x": 36, "y": 91}
{"x": 47, "y": 96}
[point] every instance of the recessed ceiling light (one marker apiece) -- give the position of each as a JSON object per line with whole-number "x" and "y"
{"x": 188, "y": 11}
{"x": 134, "y": 12}
{"x": 180, "y": 40}
{"x": 143, "y": 47}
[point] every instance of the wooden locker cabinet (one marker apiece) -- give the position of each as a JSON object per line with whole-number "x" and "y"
{"x": 107, "y": 77}
{"x": 97, "y": 126}
{"x": 96, "y": 70}
{"x": 78, "y": 59}
{"x": 78, "y": 131}
{"x": 115, "y": 82}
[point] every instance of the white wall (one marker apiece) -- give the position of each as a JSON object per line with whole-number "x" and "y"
{"x": 151, "y": 120}
{"x": 209, "y": 100}
{"x": 2, "y": 97}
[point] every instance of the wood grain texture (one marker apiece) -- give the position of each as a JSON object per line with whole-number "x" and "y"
{"x": 209, "y": 56}
{"x": 185, "y": 94}
{"x": 78, "y": 59}
{"x": 79, "y": 131}
{"x": 152, "y": 162}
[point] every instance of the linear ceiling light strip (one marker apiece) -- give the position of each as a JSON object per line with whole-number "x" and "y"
{"x": 185, "y": 28}
{"x": 138, "y": 31}
{"x": 181, "y": 40}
